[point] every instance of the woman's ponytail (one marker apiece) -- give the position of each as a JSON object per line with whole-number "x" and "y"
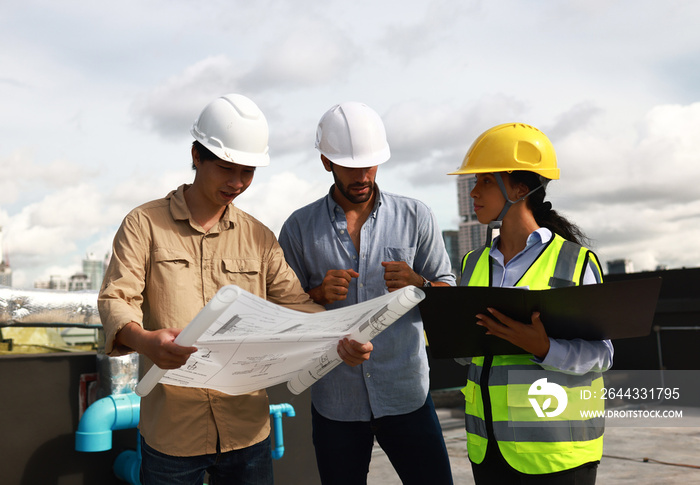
{"x": 545, "y": 216}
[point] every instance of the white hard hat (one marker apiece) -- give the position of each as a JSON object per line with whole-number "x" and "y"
{"x": 352, "y": 135}
{"x": 234, "y": 129}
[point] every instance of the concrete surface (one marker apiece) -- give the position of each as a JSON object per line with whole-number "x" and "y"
{"x": 639, "y": 455}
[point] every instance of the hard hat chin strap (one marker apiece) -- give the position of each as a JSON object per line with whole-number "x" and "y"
{"x": 489, "y": 232}
{"x": 496, "y": 224}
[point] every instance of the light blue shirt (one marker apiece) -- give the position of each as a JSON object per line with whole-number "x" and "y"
{"x": 395, "y": 380}
{"x": 569, "y": 356}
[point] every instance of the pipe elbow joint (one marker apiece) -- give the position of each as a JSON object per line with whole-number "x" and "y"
{"x": 280, "y": 409}
{"x": 277, "y": 452}
{"x": 118, "y": 411}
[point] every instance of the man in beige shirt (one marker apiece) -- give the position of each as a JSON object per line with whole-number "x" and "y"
{"x": 170, "y": 257}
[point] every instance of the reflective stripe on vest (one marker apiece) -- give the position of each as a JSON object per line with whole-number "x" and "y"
{"x": 530, "y": 444}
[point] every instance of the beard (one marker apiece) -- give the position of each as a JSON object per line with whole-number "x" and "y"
{"x": 355, "y": 199}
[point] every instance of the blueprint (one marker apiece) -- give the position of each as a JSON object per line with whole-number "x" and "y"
{"x": 246, "y": 343}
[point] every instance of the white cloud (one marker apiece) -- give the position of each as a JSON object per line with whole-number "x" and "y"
{"x": 171, "y": 108}
{"x": 306, "y": 56}
{"x": 637, "y": 196}
{"x": 428, "y": 140}
{"x": 57, "y": 230}
{"x": 272, "y": 200}
{"x": 20, "y": 173}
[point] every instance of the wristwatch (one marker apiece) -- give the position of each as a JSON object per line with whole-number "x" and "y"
{"x": 426, "y": 283}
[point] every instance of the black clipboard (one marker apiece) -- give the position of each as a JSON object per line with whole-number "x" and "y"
{"x": 616, "y": 310}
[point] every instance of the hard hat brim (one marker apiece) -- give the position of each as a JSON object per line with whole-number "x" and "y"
{"x": 360, "y": 162}
{"x": 231, "y": 155}
{"x": 551, "y": 174}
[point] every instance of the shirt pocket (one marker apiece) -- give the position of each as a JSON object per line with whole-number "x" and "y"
{"x": 400, "y": 254}
{"x": 174, "y": 266}
{"x": 244, "y": 273}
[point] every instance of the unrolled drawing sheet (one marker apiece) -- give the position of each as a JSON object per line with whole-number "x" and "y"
{"x": 246, "y": 343}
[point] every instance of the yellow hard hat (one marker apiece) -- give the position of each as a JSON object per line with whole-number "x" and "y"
{"x": 509, "y": 147}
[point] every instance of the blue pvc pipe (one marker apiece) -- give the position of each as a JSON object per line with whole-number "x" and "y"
{"x": 121, "y": 411}
{"x": 118, "y": 411}
{"x": 127, "y": 465}
{"x": 276, "y": 411}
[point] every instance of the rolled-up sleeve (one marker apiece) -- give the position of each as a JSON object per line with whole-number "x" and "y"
{"x": 579, "y": 356}
{"x": 121, "y": 295}
{"x": 432, "y": 260}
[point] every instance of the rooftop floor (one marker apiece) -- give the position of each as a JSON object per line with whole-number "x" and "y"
{"x": 645, "y": 455}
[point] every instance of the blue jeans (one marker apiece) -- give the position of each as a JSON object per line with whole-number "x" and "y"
{"x": 413, "y": 442}
{"x": 247, "y": 466}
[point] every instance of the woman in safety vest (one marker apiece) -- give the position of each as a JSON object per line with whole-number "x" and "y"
{"x": 536, "y": 249}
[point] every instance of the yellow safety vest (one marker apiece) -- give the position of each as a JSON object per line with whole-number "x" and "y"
{"x": 497, "y": 402}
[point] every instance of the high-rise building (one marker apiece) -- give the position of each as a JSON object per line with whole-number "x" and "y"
{"x": 620, "y": 266}
{"x": 5, "y": 270}
{"x": 472, "y": 234}
{"x": 94, "y": 269}
{"x": 89, "y": 279}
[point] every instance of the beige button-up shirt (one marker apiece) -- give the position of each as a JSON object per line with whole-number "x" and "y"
{"x": 163, "y": 270}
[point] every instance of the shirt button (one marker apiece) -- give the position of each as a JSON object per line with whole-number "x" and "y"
{"x": 361, "y": 285}
{"x": 367, "y": 375}
{"x": 342, "y": 231}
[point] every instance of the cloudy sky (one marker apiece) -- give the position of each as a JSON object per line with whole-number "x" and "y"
{"x": 97, "y": 100}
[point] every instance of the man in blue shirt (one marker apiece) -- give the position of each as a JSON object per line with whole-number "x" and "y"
{"x": 350, "y": 246}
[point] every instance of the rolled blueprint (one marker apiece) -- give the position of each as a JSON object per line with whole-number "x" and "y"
{"x": 253, "y": 344}
{"x": 189, "y": 335}
{"x": 401, "y": 302}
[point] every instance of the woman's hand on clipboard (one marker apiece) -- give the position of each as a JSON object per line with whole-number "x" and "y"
{"x": 531, "y": 338}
